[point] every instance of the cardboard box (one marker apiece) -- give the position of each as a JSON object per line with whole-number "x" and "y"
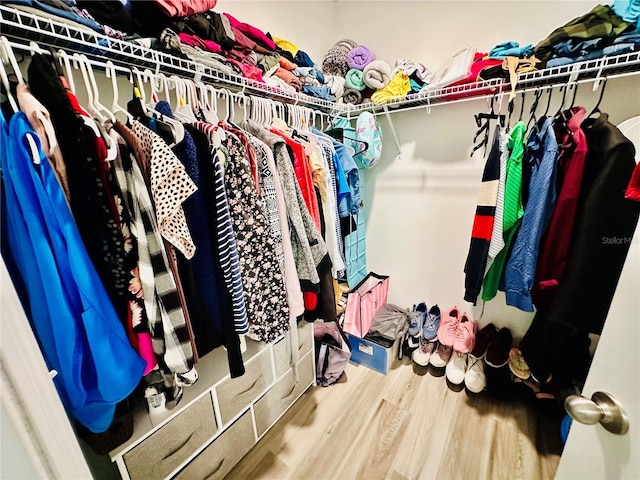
{"x": 378, "y": 354}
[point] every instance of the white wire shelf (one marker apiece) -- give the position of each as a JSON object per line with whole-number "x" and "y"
{"x": 617, "y": 65}
{"x": 23, "y": 27}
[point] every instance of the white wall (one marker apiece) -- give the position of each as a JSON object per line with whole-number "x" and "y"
{"x": 420, "y": 209}
{"x": 311, "y": 25}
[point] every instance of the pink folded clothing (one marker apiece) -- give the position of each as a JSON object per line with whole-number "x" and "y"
{"x": 289, "y": 78}
{"x": 252, "y": 32}
{"x": 248, "y": 71}
{"x": 183, "y": 8}
{"x": 195, "y": 41}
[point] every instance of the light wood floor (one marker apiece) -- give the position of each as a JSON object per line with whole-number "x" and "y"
{"x": 406, "y": 425}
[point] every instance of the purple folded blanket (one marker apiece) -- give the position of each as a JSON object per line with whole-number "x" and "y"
{"x": 360, "y": 57}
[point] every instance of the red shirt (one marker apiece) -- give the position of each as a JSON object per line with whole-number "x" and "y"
{"x": 555, "y": 245}
{"x": 303, "y": 174}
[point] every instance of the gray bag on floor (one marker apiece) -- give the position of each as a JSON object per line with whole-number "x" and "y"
{"x": 391, "y": 322}
{"x": 333, "y": 352}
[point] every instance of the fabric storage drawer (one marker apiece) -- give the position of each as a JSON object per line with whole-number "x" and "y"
{"x": 164, "y": 451}
{"x": 282, "y": 349}
{"x": 305, "y": 338}
{"x": 284, "y": 392}
{"x": 219, "y": 458}
{"x": 234, "y": 394}
{"x": 282, "y": 355}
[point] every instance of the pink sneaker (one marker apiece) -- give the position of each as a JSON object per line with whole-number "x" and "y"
{"x": 465, "y": 334}
{"x": 448, "y": 326}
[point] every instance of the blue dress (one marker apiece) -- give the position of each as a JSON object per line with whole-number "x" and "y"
{"x": 76, "y": 325}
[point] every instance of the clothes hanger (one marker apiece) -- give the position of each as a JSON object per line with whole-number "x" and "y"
{"x": 184, "y": 103}
{"x": 534, "y": 107}
{"x": 213, "y": 99}
{"x": 149, "y": 77}
{"x": 11, "y": 58}
{"x": 596, "y": 109}
{"x": 575, "y": 93}
{"x": 7, "y": 52}
{"x": 546, "y": 110}
{"x": 78, "y": 63}
{"x": 67, "y": 80}
{"x": 486, "y": 125}
{"x": 115, "y": 107}
{"x": 96, "y": 93}
{"x": 5, "y": 81}
{"x": 170, "y": 126}
{"x": 212, "y": 113}
{"x": 112, "y": 147}
{"x": 563, "y": 89}
{"x": 42, "y": 114}
{"x": 522, "y": 105}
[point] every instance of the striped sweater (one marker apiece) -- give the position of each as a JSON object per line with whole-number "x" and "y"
{"x": 483, "y": 223}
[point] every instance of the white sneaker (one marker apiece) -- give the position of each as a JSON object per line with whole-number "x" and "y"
{"x": 475, "y": 379}
{"x": 456, "y": 368}
{"x": 422, "y": 354}
{"x": 440, "y": 355}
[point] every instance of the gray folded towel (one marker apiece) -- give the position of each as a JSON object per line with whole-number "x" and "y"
{"x": 352, "y": 96}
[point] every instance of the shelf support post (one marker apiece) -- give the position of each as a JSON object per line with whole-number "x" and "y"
{"x": 393, "y": 131}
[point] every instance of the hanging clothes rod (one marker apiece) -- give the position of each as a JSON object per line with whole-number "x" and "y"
{"x": 240, "y": 97}
{"x": 506, "y": 93}
{"x": 614, "y": 66}
{"x": 23, "y": 26}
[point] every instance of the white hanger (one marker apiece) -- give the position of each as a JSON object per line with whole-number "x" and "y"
{"x": 177, "y": 128}
{"x": 209, "y": 108}
{"x": 64, "y": 60}
{"x": 8, "y": 51}
{"x": 96, "y": 93}
{"x": 184, "y": 106}
{"x": 5, "y": 80}
{"x": 115, "y": 107}
{"x": 227, "y": 113}
{"x": 50, "y": 132}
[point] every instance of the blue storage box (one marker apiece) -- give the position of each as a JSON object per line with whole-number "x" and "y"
{"x": 378, "y": 357}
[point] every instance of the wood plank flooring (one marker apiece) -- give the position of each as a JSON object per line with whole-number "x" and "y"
{"x": 407, "y": 425}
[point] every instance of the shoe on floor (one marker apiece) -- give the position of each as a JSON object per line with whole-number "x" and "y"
{"x": 422, "y": 354}
{"x": 456, "y": 368}
{"x": 431, "y": 324}
{"x": 440, "y": 356}
{"x": 417, "y": 319}
{"x": 498, "y": 352}
{"x": 448, "y": 326}
{"x": 483, "y": 339}
{"x": 409, "y": 344}
{"x": 465, "y": 334}
{"x": 475, "y": 379}
{"x": 517, "y": 364}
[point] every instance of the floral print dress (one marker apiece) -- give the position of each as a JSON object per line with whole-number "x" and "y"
{"x": 262, "y": 277}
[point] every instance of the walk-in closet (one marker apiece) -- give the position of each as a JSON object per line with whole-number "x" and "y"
{"x": 320, "y": 239}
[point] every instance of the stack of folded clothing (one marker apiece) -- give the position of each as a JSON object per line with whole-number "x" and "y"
{"x": 74, "y": 13}
{"x": 598, "y": 33}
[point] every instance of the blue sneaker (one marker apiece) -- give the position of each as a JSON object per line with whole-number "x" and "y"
{"x": 417, "y": 319}
{"x": 431, "y": 323}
